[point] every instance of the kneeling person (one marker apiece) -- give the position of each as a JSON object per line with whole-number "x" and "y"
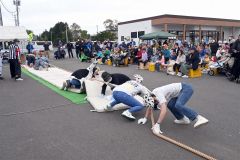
{"x": 112, "y": 80}
{"x": 125, "y": 94}
{"x": 78, "y": 77}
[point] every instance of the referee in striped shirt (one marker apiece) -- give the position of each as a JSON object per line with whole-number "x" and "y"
{"x": 14, "y": 60}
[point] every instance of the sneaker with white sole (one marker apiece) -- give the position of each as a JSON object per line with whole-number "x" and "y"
{"x": 184, "y": 120}
{"x": 108, "y": 108}
{"x": 200, "y": 121}
{"x": 185, "y": 76}
{"x": 68, "y": 85}
{"x": 128, "y": 115}
{"x": 63, "y": 85}
{"x": 19, "y": 79}
{"x": 172, "y": 73}
{"x": 156, "y": 129}
{"x": 179, "y": 74}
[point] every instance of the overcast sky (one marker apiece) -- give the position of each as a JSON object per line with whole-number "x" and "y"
{"x": 39, "y": 15}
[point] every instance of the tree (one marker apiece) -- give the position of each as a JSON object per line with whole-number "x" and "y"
{"x": 56, "y": 33}
{"x": 31, "y": 35}
{"x": 45, "y": 36}
{"x": 84, "y": 34}
{"x": 29, "y": 31}
{"x": 76, "y": 31}
{"x": 111, "y": 25}
{"x": 104, "y": 35}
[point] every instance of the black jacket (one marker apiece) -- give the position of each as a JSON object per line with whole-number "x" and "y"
{"x": 81, "y": 73}
{"x": 214, "y": 47}
{"x": 236, "y": 47}
{"x": 194, "y": 60}
{"x": 117, "y": 79}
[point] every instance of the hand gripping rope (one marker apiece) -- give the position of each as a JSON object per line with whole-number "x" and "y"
{"x": 190, "y": 149}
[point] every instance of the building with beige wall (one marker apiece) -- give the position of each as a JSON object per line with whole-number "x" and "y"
{"x": 192, "y": 29}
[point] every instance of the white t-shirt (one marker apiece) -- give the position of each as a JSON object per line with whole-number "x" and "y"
{"x": 131, "y": 88}
{"x": 165, "y": 93}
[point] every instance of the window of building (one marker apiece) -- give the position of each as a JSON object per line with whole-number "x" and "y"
{"x": 122, "y": 38}
{"x": 141, "y": 33}
{"x": 133, "y": 34}
{"x": 179, "y": 34}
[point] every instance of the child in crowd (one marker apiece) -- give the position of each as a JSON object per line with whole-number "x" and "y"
{"x": 144, "y": 58}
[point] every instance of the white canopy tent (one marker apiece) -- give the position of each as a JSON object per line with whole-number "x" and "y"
{"x": 8, "y": 33}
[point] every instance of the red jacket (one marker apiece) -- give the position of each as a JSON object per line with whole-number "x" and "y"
{"x": 139, "y": 54}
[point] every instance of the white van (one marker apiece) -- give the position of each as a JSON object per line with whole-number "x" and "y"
{"x": 38, "y": 45}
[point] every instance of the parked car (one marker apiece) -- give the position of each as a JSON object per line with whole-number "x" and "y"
{"x": 38, "y": 45}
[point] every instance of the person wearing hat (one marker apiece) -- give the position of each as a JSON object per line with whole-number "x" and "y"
{"x": 115, "y": 79}
{"x": 14, "y": 60}
{"x": 125, "y": 94}
{"x": 79, "y": 76}
{"x": 174, "y": 97}
{"x": 191, "y": 63}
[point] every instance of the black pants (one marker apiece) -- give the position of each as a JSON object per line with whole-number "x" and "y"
{"x": 166, "y": 60}
{"x": 70, "y": 53}
{"x": 77, "y": 53}
{"x": 15, "y": 68}
{"x": 236, "y": 68}
{"x": 176, "y": 67}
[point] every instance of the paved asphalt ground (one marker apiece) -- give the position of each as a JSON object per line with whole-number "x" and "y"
{"x": 72, "y": 132}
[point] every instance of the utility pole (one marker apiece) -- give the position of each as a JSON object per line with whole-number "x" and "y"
{"x": 1, "y": 21}
{"x": 15, "y": 20}
{"x": 17, "y": 3}
{"x": 97, "y": 29}
{"x": 51, "y": 35}
{"x": 66, "y": 35}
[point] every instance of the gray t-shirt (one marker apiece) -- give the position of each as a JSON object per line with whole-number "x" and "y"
{"x": 165, "y": 93}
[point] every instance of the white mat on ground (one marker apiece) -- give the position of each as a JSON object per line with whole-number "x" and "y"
{"x": 93, "y": 89}
{"x": 54, "y": 75}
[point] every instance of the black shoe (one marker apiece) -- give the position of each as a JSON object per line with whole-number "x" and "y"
{"x": 1, "y": 78}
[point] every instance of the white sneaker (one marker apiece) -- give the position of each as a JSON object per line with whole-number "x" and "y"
{"x": 200, "y": 121}
{"x": 179, "y": 74}
{"x": 19, "y": 79}
{"x": 172, "y": 73}
{"x": 156, "y": 129}
{"x": 185, "y": 76}
{"x": 63, "y": 85}
{"x": 204, "y": 71}
{"x": 128, "y": 115}
{"x": 184, "y": 120}
{"x": 108, "y": 108}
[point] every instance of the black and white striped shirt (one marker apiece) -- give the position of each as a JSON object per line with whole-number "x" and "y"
{"x": 12, "y": 51}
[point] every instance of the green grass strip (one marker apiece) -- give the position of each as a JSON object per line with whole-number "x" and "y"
{"x": 74, "y": 97}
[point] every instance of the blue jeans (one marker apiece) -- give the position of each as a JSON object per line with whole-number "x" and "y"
{"x": 178, "y": 105}
{"x": 76, "y": 83}
{"x": 122, "y": 97}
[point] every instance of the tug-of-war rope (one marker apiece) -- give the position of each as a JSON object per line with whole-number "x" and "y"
{"x": 190, "y": 149}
